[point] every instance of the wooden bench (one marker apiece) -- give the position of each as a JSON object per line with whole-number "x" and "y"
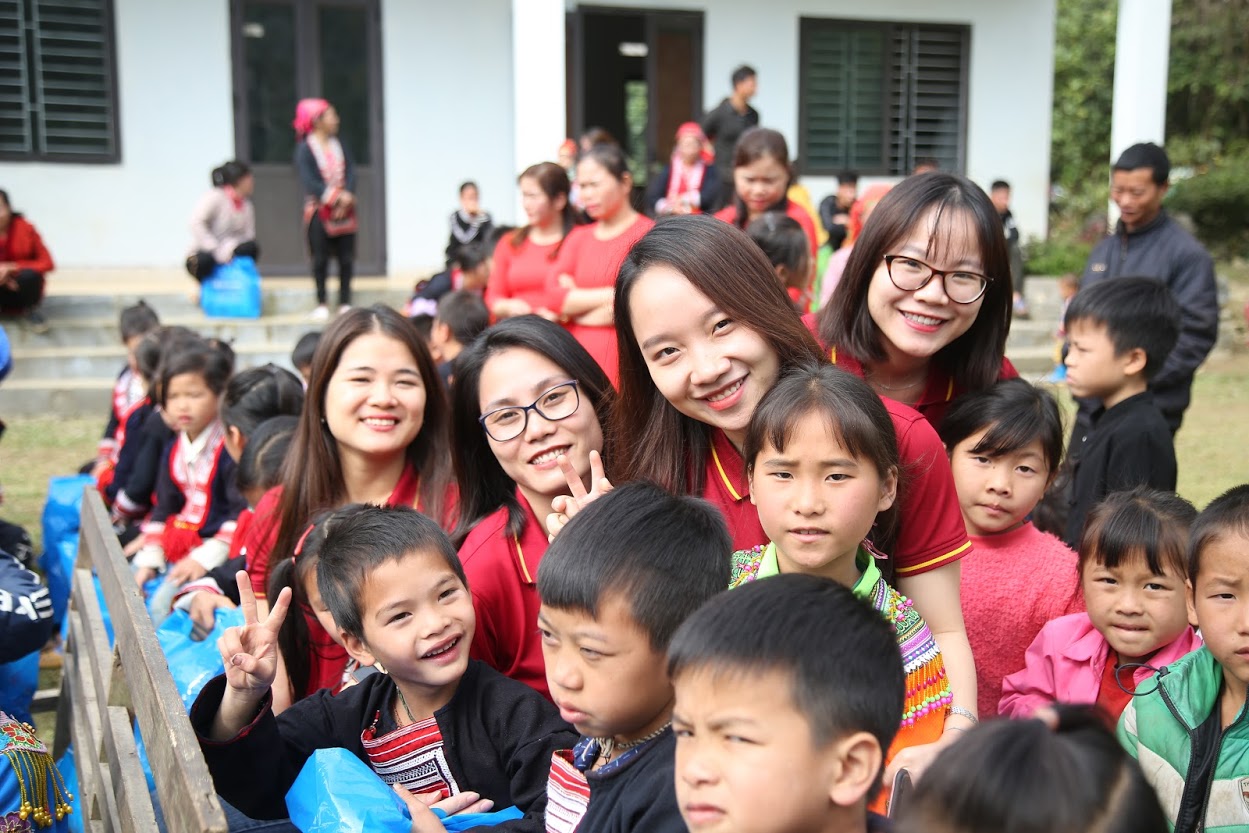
{"x": 105, "y": 691}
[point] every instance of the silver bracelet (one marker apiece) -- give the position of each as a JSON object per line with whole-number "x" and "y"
{"x": 962, "y": 712}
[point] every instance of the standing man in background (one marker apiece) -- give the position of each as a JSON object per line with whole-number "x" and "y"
{"x": 727, "y": 122}
{"x": 1147, "y": 242}
{"x": 999, "y": 193}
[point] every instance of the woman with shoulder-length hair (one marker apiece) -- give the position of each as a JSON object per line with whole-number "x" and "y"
{"x": 374, "y": 429}
{"x": 924, "y": 305}
{"x": 528, "y": 400}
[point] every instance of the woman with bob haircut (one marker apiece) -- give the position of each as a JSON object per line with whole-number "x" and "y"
{"x": 704, "y": 330}
{"x": 924, "y": 305}
{"x": 374, "y": 429}
{"x": 527, "y": 395}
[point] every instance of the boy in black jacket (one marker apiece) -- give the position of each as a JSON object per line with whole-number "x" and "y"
{"x": 615, "y": 585}
{"x": 437, "y": 723}
{"x": 1119, "y": 333}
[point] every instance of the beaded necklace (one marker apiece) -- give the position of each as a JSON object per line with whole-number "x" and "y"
{"x": 609, "y": 747}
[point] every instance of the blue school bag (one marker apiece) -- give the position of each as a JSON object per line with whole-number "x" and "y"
{"x": 232, "y": 290}
{"x": 336, "y": 792}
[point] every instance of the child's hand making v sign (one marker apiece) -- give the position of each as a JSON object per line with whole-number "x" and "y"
{"x": 250, "y": 654}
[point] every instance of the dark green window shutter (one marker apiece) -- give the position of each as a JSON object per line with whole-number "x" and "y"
{"x": 58, "y": 97}
{"x": 843, "y": 102}
{"x": 928, "y": 111}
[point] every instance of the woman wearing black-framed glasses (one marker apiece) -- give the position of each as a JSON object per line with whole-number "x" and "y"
{"x": 526, "y": 395}
{"x": 924, "y": 306}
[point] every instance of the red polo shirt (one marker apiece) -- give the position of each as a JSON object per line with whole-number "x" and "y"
{"x": 931, "y": 532}
{"x": 502, "y": 572}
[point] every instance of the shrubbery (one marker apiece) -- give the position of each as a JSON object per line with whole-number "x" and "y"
{"x": 1217, "y": 200}
{"x": 1056, "y": 256}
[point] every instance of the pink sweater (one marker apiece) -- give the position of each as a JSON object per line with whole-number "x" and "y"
{"x": 1013, "y": 584}
{"x": 1066, "y": 661}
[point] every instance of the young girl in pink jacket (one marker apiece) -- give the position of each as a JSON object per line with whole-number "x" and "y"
{"x": 1132, "y": 572}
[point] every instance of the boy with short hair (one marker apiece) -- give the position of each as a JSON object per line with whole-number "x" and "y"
{"x": 1191, "y": 734}
{"x": 435, "y": 722}
{"x": 788, "y": 692}
{"x": 462, "y": 316}
{"x": 1119, "y": 333}
{"x": 615, "y": 585}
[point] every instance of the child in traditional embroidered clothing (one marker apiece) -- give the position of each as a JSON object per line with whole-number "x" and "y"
{"x": 787, "y": 696}
{"x": 1005, "y": 444}
{"x": 435, "y": 722}
{"x": 129, "y": 391}
{"x": 615, "y": 585}
{"x": 822, "y": 461}
{"x": 1132, "y": 569}
{"x": 197, "y": 504}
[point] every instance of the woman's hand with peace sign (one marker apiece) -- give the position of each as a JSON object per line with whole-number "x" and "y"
{"x": 250, "y": 654}
{"x": 565, "y": 507}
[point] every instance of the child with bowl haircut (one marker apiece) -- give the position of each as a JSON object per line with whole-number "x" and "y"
{"x": 1191, "y": 733}
{"x": 1005, "y": 445}
{"x": 788, "y": 692}
{"x": 615, "y": 585}
{"x": 1132, "y": 568}
{"x": 435, "y": 722}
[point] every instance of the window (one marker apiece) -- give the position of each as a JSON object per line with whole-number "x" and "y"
{"x": 874, "y": 97}
{"x": 58, "y": 94}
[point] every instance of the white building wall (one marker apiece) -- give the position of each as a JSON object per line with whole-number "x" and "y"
{"x": 448, "y": 106}
{"x": 177, "y": 124}
{"x": 1009, "y": 97}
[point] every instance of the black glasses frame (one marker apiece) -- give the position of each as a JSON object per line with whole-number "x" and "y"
{"x": 889, "y": 259}
{"x": 525, "y": 409}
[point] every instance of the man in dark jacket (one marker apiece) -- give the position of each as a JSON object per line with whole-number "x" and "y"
{"x": 1147, "y": 242}
{"x": 726, "y": 123}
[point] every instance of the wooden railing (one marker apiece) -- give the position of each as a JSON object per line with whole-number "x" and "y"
{"x": 106, "y": 691}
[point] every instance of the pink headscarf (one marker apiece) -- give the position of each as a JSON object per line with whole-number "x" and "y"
{"x": 307, "y": 111}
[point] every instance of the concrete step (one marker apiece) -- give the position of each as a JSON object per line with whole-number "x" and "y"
{"x": 106, "y": 362}
{"x": 102, "y": 332}
{"x": 1033, "y": 363}
{"x": 285, "y": 298}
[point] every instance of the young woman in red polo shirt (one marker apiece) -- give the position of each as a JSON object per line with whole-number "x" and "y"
{"x": 526, "y": 394}
{"x": 523, "y": 259}
{"x": 704, "y": 330}
{"x": 374, "y": 429}
{"x": 924, "y": 305}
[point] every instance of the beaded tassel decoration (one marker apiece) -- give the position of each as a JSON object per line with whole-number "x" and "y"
{"x": 927, "y": 689}
{"x": 44, "y": 799}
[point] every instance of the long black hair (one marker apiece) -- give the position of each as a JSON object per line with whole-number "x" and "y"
{"x": 483, "y": 485}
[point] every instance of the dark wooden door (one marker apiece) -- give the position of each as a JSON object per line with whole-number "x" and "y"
{"x": 605, "y": 67}
{"x": 285, "y": 50}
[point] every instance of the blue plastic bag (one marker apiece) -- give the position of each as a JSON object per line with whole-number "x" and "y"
{"x": 194, "y": 662}
{"x": 60, "y": 537}
{"x": 232, "y": 290}
{"x": 336, "y": 792}
{"x": 18, "y": 681}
